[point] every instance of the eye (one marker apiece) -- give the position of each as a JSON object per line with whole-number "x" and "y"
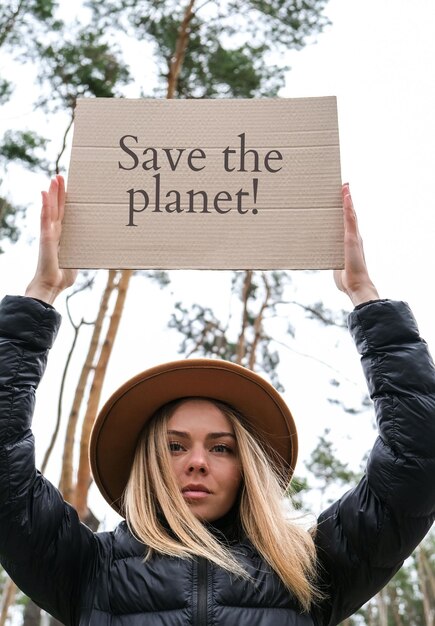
{"x": 175, "y": 446}
{"x": 222, "y": 448}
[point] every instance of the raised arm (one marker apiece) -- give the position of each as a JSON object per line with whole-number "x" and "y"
{"x": 364, "y": 537}
{"x": 50, "y": 279}
{"x": 43, "y": 545}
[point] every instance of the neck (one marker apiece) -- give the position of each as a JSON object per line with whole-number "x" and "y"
{"x": 227, "y": 528}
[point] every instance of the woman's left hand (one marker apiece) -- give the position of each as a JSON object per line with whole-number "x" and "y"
{"x": 354, "y": 279}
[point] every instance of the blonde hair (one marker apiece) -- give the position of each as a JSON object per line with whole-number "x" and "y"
{"x": 152, "y": 491}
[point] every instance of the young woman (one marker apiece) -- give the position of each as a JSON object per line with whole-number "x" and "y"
{"x": 195, "y": 455}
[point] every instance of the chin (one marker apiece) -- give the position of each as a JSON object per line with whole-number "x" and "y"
{"x": 204, "y": 516}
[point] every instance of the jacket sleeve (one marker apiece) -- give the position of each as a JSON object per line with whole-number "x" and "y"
{"x": 364, "y": 538}
{"x": 43, "y": 546}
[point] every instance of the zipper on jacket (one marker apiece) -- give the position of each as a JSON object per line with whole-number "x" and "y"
{"x": 201, "y": 614}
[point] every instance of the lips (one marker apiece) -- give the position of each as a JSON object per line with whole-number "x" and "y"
{"x": 195, "y": 488}
{"x": 195, "y": 492}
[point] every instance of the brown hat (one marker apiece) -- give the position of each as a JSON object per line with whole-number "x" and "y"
{"x": 122, "y": 418}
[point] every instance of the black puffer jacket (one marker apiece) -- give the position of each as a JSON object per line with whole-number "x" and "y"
{"x": 99, "y": 579}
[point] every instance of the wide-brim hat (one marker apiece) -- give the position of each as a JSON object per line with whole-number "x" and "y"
{"x": 119, "y": 424}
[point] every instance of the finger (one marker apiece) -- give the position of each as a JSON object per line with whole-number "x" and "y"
{"x": 61, "y": 196}
{"x": 44, "y": 196}
{"x": 45, "y": 212}
{"x": 347, "y": 199}
{"x": 53, "y": 199}
{"x": 350, "y": 219}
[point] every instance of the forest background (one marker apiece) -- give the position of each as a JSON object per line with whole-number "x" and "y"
{"x": 376, "y": 57}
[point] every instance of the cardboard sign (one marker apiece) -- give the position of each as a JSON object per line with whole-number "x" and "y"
{"x": 204, "y": 184}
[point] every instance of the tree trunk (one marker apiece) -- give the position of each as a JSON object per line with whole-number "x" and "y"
{"x": 383, "y": 608}
{"x": 370, "y": 614}
{"x": 79, "y": 496}
{"x": 84, "y": 472}
{"x": 258, "y": 325}
{"x": 66, "y": 479}
{"x": 424, "y": 585}
{"x": 8, "y": 597}
{"x": 429, "y": 573}
{"x": 180, "y": 51}
{"x": 392, "y": 593}
{"x": 241, "y": 343}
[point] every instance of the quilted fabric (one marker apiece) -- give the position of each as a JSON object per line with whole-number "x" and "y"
{"x": 99, "y": 579}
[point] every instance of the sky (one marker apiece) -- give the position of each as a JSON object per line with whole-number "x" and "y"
{"x": 377, "y": 57}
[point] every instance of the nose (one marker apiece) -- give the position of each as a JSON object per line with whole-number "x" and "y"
{"x": 197, "y": 462}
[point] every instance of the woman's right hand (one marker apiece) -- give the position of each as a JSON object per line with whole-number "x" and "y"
{"x": 50, "y": 279}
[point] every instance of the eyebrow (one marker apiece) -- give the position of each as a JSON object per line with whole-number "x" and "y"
{"x": 181, "y": 433}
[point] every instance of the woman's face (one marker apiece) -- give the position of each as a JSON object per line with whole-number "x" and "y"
{"x": 204, "y": 458}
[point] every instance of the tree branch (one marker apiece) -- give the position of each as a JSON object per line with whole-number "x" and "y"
{"x": 59, "y": 403}
{"x": 76, "y": 328}
{"x": 180, "y": 51}
{"x": 59, "y": 156}
{"x": 309, "y": 309}
{"x": 10, "y": 23}
{"x": 314, "y": 358}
